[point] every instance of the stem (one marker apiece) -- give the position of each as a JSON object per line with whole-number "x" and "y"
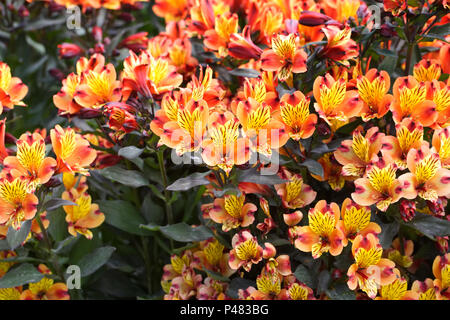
{"x": 162, "y": 169}
{"x": 409, "y": 58}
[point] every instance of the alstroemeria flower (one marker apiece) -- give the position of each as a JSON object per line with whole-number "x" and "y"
{"x": 184, "y": 287}
{"x": 441, "y": 142}
{"x": 148, "y": 75}
{"x": 356, "y": 155}
{"x": 439, "y": 93}
{"x": 246, "y": 251}
{"x": 217, "y": 39}
{"x": 294, "y": 113}
{"x": 12, "y": 89}
{"x": 181, "y": 127}
{"x": 372, "y": 89}
{"x": 295, "y": 194}
{"x": 98, "y": 86}
{"x": 380, "y": 186}
{"x": 285, "y": 57}
{"x": 426, "y": 179}
{"x": 409, "y": 136}
{"x": 212, "y": 257}
{"x": 232, "y": 212}
{"x": 410, "y": 100}
{"x": 370, "y": 270}
{"x": 241, "y": 46}
{"x": 332, "y": 172}
{"x": 16, "y": 202}
{"x": 263, "y": 130}
{"x": 397, "y": 290}
{"x": 121, "y": 118}
{"x": 334, "y": 103}
{"x": 30, "y": 161}
{"x": 441, "y": 271}
{"x": 355, "y": 221}
{"x": 84, "y": 216}
{"x": 321, "y": 235}
{"x": 427, "y": 70}
{"x": 424, "y": 289}
{"x": 73, "y": 152}
{"x": 46, "y": 289}
{"x": 223, "y": 148}
{"x": 170, "y": 10}
{"x": 176, "y": 267}
{"x": 395, "y": 6}
{"x": 300, "y": 291}
{"x": 340, "y": 47}
{"x": 395, "y": 254}
{"x": 268, "y": 285}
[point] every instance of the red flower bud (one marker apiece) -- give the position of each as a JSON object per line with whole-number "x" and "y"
{"x": 69, "y": 50}
{"x": 23, "y": 12}
{"x": 312, "y": 19}
{"x": 407, "y": 210}
{"x": 97, "y": 33}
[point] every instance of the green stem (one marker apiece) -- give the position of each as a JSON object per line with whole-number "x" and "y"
{"x": 167, "y": 195}
{"x": 409, "y": 54}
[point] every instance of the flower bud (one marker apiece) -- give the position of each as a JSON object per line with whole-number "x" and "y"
{"x": 23, "y": 12}
{"x": 312, "y": 19}
{"x": 291, "y": 219}
{"x": 407, "y": 210}
{"x": 97, "y": 33}
{"x": 69, "y": 50}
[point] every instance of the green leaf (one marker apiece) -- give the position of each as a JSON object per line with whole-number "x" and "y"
{"x": 54, "y": 204}
{"x": 303, "y": 275}
{"x": 313, "y": 166}
{"x": 130, "y": 152}
{"x": 129, "y": 178}
{"x": 386, "y": 52}
{"x": 15, "y": 238}
{"x": 216, "y": 275}
{"x": 193, "y": 180}
{"x": 183, "y": 232}
{"x": 341, "y": 292}
{"x": 243, "y": 72}
{"x": 430, "y": 226}
{"x": 93, "y": 261}
{"x": 152, "y": 212}
{"x": 123, "y": 215}
{"x": 20, "y": 275}
{"x": 58, "y": 225}
{"x": 253, "y": 175}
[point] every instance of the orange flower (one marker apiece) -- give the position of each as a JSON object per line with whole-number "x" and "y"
{"x": 223, "y": 148}
{"x": 441, "y": 142}
{"x": 241, "y": 46}
{"x": 334, "y": 103}
{"x": 410, "y": 100}
{"x": 232, "y": 212}
{"x": 427, "y": 70}
{"x": 98, "y": 86}
{"x": 380, "y": 186}
{"x": 30, "y": 161}
{"x": 217, "y": 39}
{"x": 294, "y": 113}
{"x": 409, "y": 136}
{"x": 426, "y": 179}
{"x": 321, "y": 235}
{"x": 340, "y": 47}
{"x": 332, "y": 172}
{"x": 46, "y": 289}
{"x": 285, "y": 57}
{"x": 3, "y": 151}
{"x": 372, "y": 89}
{"x": 397, "y": 290}
{"x": 12, "y": 89}
{"x": 73, "y": 152}
{"x": 170, "y": 10}
{"x": 356, "y": 155}
{"x": 120, "y": 118}
{"x": 246, "y": 251}
{"x": 356, "y": 221}
{"x": 395, "y": 6}
{"x": 181, "y": 127}
{"x": 212, "y": 257}
{"x": 263, "y": 130}
{"x": 84, "y": 215}
{"x": 148, "y": 75}
{"x": 439, "y": 93}
{"x": 370, "y": 270}
{"x": 16, "y": 202}
{"x": 441, "y": 270}
{"x": 425, "y": 289}
{"x": 295, "y": 194}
